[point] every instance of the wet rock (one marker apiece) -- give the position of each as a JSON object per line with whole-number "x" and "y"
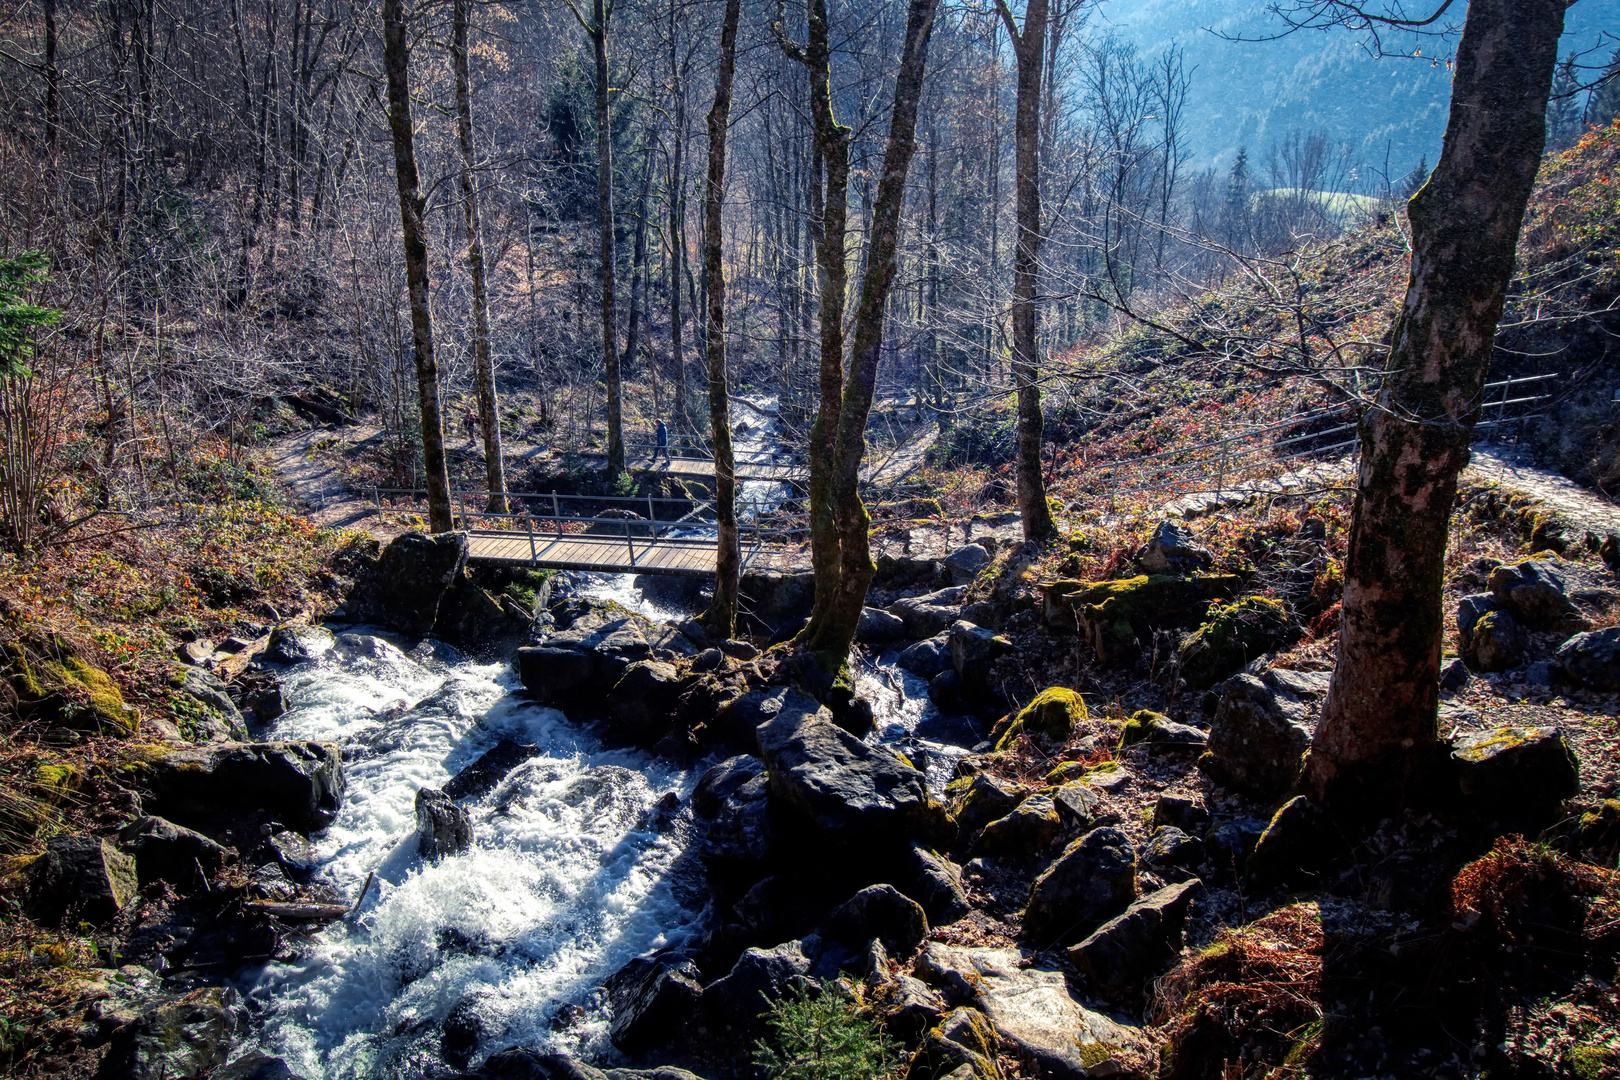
{"x": 849, "y": 793}
{"x": 205, "y": 688}
{"x": 964, "y": 564}
{"x": 411, "y": 577}
{"x": 720, "y": 782}
{"x": 1170, "y": 846}
{"x": 710, "y": 659}
{"x": 442, "y": 828}
{"x": 739, "y": 650}
{"x": 175, "y": 1039}
{"x": 1033, "y": 826}
{"x": 1093, "y": 880}
{"x": 482, "y": 776}
{"x": 928, "y": 615}
{"x": 294, "y": 643}
{"x": 1496, "y": 643}
{"x": 168, "y": 852}
{"x": 1141, "y": 942}
{"x": 1297, "y": 843}
{"x": 928, "y": 657}
{"x": 597, "y": 647}
{"x": 553, "y": 674}
{"x": 1184, "y": 813}
{"x": 974, "y": 651}
{"x": 642, "y": 703}
{"x": 1147, "y": 726}
{"x": 1516, "y": 768}
{"x": 882, "y": 912}
{"x": 85, "y": 877}
{"x": 1592, "y": 659}
{"x": 1233, "y": 635}
{"x": 1534, "y": 591}
{"x": 297, "y": 783}
{"x": 1257, "y": 738}
{"x": 758, "y": 978}
{"x": 464, "y": 1028}
{"x": 948, "y": 693}
{"x": 651, "y": 999}
{"x": 1050, "y": 720}
{"x": 934, "y": 882}
{"x": 1453, "y": 674}
{"x": 878, "y": 627}
{"x": 1229, "y": 843}
{"x": 255, "y": 1065}
{"x": 1080, "y": 806}
{"x": 472, "y": 619}
{"x": 942, "y": 727}
{"x": 1173, "y": 550}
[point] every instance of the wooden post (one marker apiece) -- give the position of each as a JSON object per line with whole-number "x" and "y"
{"x": 651, "y": 516}
{"x": 465, "y": 524}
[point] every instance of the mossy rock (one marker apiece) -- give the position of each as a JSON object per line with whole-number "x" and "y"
{"x": 55, "y": 683}
{"x": 1233, "y": 635}
{"x": 1119, "y": 617}
{"x": 1052, "y": 716}
{"x": 1140, "y": 727}
{"x": 1591, "y": 1062}
{"x": 1600, "y": 826}
{"x": 55, "y": 781}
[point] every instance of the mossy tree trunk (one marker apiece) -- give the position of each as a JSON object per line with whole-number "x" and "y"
{"x": 721, "y": 618}
{"x": 396, "y": 62}
{"x": 1379, "y": 723}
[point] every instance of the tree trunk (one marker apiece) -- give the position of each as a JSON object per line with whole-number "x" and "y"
{"x": 488, "y": 407}
{"x": 1029, "y": 49}
{"x": 721, "y": 618}
{"x": 638, "y": 272}
{"x": 1379, "y": 724}
{"x": 604, "y": 206}
{"x": 396, "y": 60}
{"x": 52, "y": 74}
{"x": 833, "y": 638}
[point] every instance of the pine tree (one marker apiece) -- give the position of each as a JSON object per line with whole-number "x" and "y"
{"x": 1563, "y": 113}
{"x": 1416, "y": 178}
{"x": 1604, "y": 104}
{"x": 1235, "y": 215}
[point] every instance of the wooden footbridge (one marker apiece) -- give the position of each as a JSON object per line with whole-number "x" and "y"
{"x": 605, "y": 533}
{"x": 689, "y": 458}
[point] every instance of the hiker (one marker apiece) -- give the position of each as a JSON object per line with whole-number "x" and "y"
{"x": 661, "y": 437}
{"x": 469, "y": 420}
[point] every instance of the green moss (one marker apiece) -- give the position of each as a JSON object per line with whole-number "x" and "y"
{"x": 56, "y": 780}
{"x": 1233, "y": 635}
{"x": 1066, "y": 773}
{"x": 1590, "y": 1062}
{"x": 1140, "y": 727}
{"x": 1095, "y": 1053}
{"x": 1119, "y": 616}
{"x": 1053, "y": 715}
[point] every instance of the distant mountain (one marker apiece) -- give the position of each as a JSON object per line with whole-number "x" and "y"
{"x": 1253, "y": 93}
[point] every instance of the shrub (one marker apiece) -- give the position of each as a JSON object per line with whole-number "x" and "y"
{"x": 817, "y": 1032}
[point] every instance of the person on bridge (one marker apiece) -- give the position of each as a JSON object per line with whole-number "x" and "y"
{"x": 661, "y": 437}
{"x": 469, "y": 420}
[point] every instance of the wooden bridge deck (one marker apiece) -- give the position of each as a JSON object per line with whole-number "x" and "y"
{"x": 703, "y": 469}
{"x": 613, "y": 554}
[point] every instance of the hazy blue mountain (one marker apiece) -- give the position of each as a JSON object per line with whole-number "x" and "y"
{"x": 1250, "y": 93}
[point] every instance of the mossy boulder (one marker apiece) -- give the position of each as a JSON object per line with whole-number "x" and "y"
{"x": 1052, "y": 717}
{"x": 1118, "y": 618}
{"x": 1233, "y": 635}
{"x": 1516, "y": 771}
{"x": 1147, "y": 726}
{"x": 55, "y": 683}
{"x": 1495, "y": 642}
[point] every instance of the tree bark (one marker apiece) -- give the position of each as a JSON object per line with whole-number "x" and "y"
{"x": 638, "y": 274}
{"x": 721, "y": 618}
{"x": 52, "y": 75}
{"x": 1379, "y": 724}
{"x": 1029, "y": 49}
{"x": 604, "y": 205}
{"x": 396, "y": 61}
{"x": 488, "y": 406}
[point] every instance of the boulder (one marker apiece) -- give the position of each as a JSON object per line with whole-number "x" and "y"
{"x": 410, "y": 579}
{"x": 1173, "y": 549}
{"x": 1141, "y": 942}
{"x": 1257, "y": 738}
{"x": 1033, "y": 826}
{"x": 739, "y": 650}
{"x": 882, "y": 912}
{"x": 165, "y": 851}
{"x": 878, "y": 627}
{"x": 1298, "y": 843}
{"x": 255, "y": 1065}
{"x": 928, "y": 657}
{"x": 948, "y": 693}
{"x": 179, "y": 1038}
{"x": 1229, "y": 844}
{"x": 597, "y": 646}
{"x": 928, "y": 615}
{"x": 652, "y": 999}
{"x": 471, "y": 618}
{"x": 1592, "y": 659}
{"x": 964, "y": 564}
{"x": 934, "y": 882}
{"x": 906, "y": 1007}
{"x": 974, "y": 650}
{"x": 1050, "y": 720}
{"x": 442, "y": 828}
{"x": 1232, "y": 636}
{"x": 1184, "y": 813}
{"x": 722, "y": 781}
{"x": 1080, "y": 806}
{"x": 299, "y": 784}
{"x": 739, "y": 827}
{"x": 962, "y": 1046}
{"x": 482, "y": 776}
{"x": 84, "y": 877}
{"x": 1147, "y": 726}
{"x": 1453, "y": 674}
{"x": 521, "y": 1064}
{"x": 294, "y": 643}
{"x": 1093, "y": 880}
{"x": 757, "y": 979}
{"x": 1516, "y": 767}
{"x": 1496, "y": 643}
{"x": 1534, "y": 591}
{"x": 1118, "y": 618}
{"x": 1470, "y": 609}
{"x": 1170, "y": 846}
{"x": 205, "y": 688}
{"x": 847, "y": 792}
{"x": 1305, "y": 685}
{"x": 642, "y": 703}
{"x": 978, "y": 801}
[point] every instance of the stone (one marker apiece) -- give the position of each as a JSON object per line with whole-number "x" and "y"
{"x": 1513, "y": 767}
{"x": 974, "y": 651}
{"x": 928, "y": 657}
{"x": 491, "y": 767}
{"x": 1050, "y": 720}
{"x": 1539, "y": 673}
{"x": 1184, "y": 813}
{"x": 882, "y": 912}
{"x": 555, "y": 674}
{"x": 472, "y": 619}
{"x": 165, "y": 851}
{"x": 1119, "y": 618}
{"x": 962, "y": 1046}
{"x": 1147, "y": 726}
{"x": 720, "y": 782}
{"x": 1141, "y": 942}
{"x": 1470, "y": 609}
{"x": 1297, "y": 844}
{"x": 642, "y": 703}
{"x": 594, "y": 649}
{"x": 1592, "y": 659}
{"x": 928, "y": 615}
{"x": 739, "y": 650}
{"x": 1306, "y": 685}
{"x": 255, "y": 1065}
{"x": 758, "y": 978}
{"x": 294, "y": 643}
{"x": 1093, "y": 880}
{"x": 1496, "y": 643}
{"x": 195, "y": 652}
{"x": 934, "y": 882}
{"x": 907, "y": 1007}
{"x": 1257, "y": 738}
{"x": 1170, "y": 846}
{"x": 964, "y": 564}
{"x": 878, "y": 627}
{"x": 442, "y": 828}
{"x": 948, "y": 693}
{"x": 1229, "y": 844}
{"x": 1453, "y": 674}
{"x": 299, "y": 784}
{"x": 521, "y": 1064}
{"x": 739, "y": 828}
{"x": 205, "y": 688}
{"x": 1173, "y": 549}
{"x": 1033, "y": 826}
{"x": 978, "y": 801}
{"x": 411, "y": 577}
{"x": 1080, "y": 806}
{"x": 710, "y": 659}
{"x": 180, "y": 1038}
{"x": 849, "y": 793}
{"x": 463, "y": 1029}
{"x": 1534, "y": 591}
{"x": 1233, "y": 635}
{"x": 84, "y": 877}
{"x": 651, "y": 999}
